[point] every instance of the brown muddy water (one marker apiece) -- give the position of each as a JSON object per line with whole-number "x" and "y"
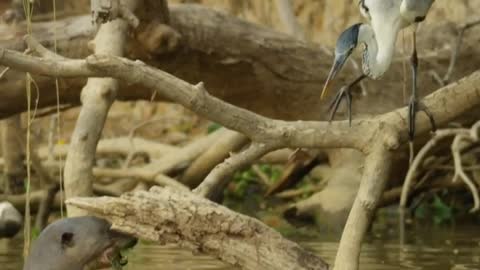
{"x": 426, "y": 249}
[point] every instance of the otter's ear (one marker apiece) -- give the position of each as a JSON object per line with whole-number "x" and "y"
{"x": 67, "y": 239}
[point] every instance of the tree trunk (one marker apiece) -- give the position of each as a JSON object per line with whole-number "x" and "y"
{"x": 97, "y": 97}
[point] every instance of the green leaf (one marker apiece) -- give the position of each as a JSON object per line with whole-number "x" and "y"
{"x": 213, "y": 127}
{"x": 35, "y": 233}
{"x": 420, "y": 211}
{"x": 442, "y": 212}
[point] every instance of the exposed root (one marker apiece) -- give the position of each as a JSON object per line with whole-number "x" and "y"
{"x": 422, "y": 154}
{"x": 463, "y": 138}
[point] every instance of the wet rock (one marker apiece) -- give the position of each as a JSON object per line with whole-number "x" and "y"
{"x": 11, "y": 220}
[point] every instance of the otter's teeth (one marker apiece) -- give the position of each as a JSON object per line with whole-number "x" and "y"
{"x": 123, "y": 260}
{"x": 118, "y": 261}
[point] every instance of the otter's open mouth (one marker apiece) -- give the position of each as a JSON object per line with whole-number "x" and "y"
{"x": 112, "y": 257}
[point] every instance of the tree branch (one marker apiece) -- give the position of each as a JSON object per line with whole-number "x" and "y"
{"x": 214, "y": 183}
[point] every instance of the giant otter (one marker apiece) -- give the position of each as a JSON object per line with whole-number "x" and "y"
{"x": 78, "y": 243}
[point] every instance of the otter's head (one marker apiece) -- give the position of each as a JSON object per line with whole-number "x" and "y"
{"x": 78, "y": 243}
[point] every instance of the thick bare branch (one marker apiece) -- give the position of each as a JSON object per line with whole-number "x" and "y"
{"x": 458, "y": 97}
{"x": 218, "y": 152}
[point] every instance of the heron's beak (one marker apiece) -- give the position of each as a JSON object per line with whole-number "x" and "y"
{"x": 340, "y": 60}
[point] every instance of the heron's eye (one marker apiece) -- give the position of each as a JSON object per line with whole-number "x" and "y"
{"x": 362, "y": 4}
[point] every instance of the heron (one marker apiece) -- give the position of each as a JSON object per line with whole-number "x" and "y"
{"x": 387, "y": 18}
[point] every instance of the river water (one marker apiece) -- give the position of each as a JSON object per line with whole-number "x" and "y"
{"x": 427, "y": 249}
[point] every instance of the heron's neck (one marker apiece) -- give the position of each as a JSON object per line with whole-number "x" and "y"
{"x": 380, "y": 47}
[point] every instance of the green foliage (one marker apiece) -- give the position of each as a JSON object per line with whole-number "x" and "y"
{"x": 240, "y": 183}
{"x": 436, "y": 210}
{"x": 35, "y": 233}
{"x": 245, "y": 193}
{"x": 442, "y": 212}
{"x": 213, "y": 127}
{"x": 273, "y": 173}
{"x": 247, "y": 178}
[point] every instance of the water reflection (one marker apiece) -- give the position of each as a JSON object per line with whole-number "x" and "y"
{"x": 425, "y": 249}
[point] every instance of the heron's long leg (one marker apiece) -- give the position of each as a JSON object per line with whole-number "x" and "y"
{"x": 415, "y": 105}
{"x": 344, "y": 92}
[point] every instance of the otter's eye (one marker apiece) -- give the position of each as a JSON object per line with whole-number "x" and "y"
{"x": 67, "y": 239}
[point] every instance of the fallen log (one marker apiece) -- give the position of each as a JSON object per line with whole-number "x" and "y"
{"x": 170, "y": 216}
